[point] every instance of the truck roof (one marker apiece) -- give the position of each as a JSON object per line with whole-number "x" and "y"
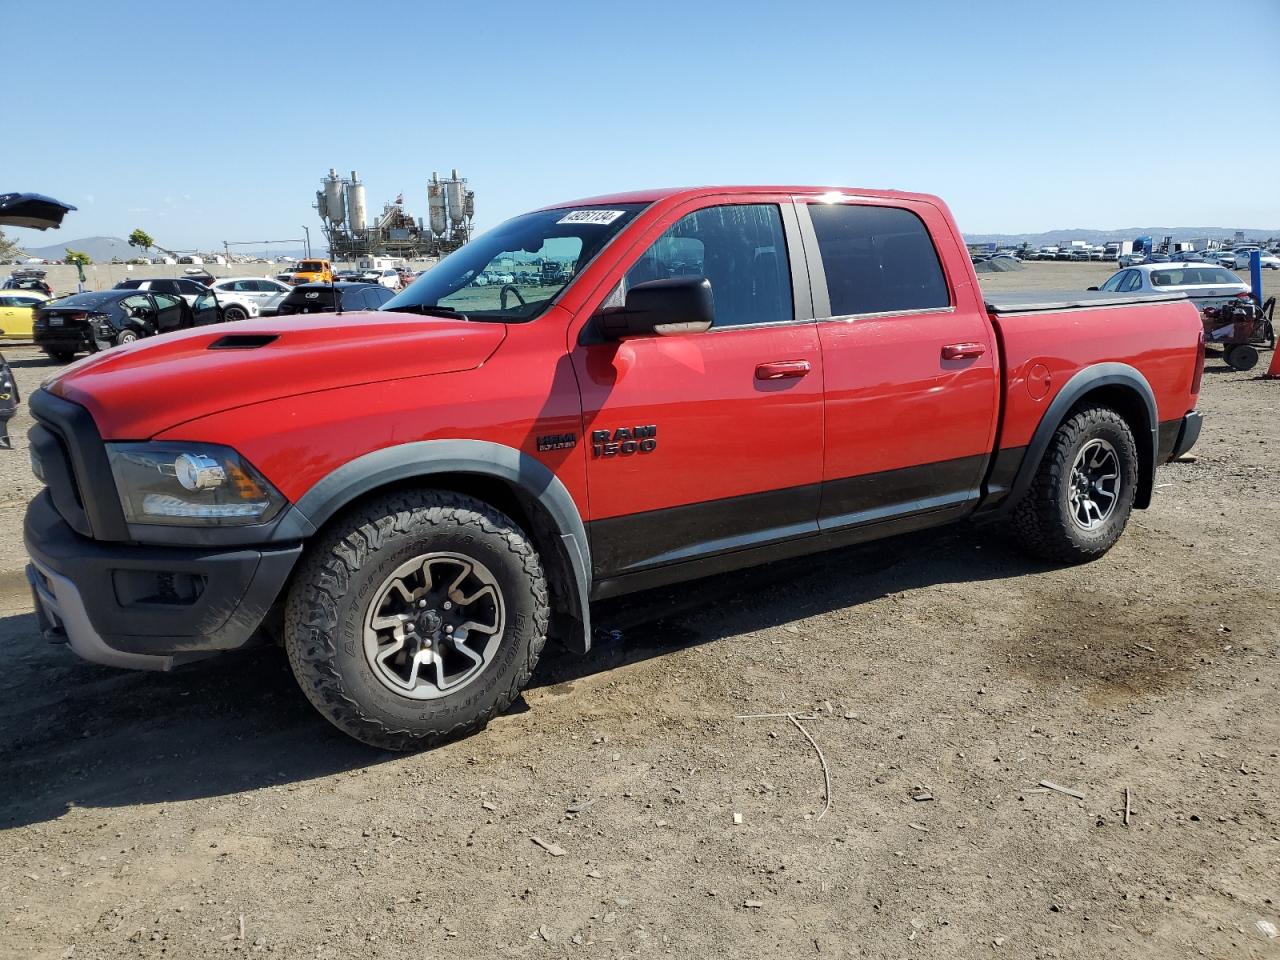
{"x": 665, "y": 193}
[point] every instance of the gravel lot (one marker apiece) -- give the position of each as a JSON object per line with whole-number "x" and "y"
{"x": 211, "y": 812}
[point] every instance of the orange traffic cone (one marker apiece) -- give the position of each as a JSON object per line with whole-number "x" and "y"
{"x": 1273, "y": 371}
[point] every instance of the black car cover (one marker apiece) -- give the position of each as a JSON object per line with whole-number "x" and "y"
{"x": 33, "y": 210}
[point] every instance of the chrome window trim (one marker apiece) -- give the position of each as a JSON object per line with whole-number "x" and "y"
{"x": 850, "y": 317}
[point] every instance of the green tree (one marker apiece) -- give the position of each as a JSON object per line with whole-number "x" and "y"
{"x": 141, "y": 239}
{"x": 78, "y": 257}
{"x": 8, "y": 248}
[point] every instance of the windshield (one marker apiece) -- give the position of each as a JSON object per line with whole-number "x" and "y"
{"x": 309, "y": 266}
{"x": 513, "y": 271}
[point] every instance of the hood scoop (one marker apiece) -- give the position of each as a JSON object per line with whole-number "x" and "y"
{"x": 244, "y": 341}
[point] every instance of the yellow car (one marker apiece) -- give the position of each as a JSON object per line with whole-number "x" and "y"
{"x": 17, "y": 310}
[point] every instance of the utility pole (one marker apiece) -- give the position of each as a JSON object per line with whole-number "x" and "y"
{"x": 307, "y": 231}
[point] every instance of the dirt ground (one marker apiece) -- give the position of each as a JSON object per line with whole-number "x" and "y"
{"x": 212, "y": 813}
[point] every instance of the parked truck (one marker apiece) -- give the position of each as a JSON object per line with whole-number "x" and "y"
{"x": 414, "y": 500}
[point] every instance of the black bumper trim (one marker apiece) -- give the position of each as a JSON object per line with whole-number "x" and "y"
{"x": 240, "y": 585}
{"x": 1188, "y": 435}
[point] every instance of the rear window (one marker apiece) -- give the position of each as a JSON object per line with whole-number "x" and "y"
{"x": 877, "y": 260}
{"x": 1189, "y": 276}
{"x": 310, "y": 266}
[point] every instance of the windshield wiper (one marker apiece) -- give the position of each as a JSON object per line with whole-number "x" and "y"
{"x": 427, "y": 309}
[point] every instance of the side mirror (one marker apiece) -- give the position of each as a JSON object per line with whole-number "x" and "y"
{"x": 664, "y": 307}
{"x": 1093, "y": 288}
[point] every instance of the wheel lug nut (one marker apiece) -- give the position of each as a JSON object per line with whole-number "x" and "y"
{"x": 448, "y": 605}
{"x": 422, "y": 603}
{"x": 448, "y": 628}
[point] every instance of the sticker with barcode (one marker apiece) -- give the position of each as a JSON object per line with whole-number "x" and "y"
{"x": 593, "y": 217}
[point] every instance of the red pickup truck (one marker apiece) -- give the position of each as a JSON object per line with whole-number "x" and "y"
{"x": 590, "y": 399}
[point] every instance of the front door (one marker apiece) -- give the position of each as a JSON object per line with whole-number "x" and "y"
{"x": 704, "y": 444}
{"x": 910, "y": 360}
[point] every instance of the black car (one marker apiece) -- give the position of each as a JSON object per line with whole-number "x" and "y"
{"x": 89, "y": 322}
{"x": 320, "y": 297}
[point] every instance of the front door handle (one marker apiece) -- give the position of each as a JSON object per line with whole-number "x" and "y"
{"x": 963, "y": 351}
{"x": 782, "y": 370}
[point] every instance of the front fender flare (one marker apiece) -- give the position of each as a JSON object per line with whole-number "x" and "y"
{"x": 1085, "y": 381}
{"x": 425, "y": 458}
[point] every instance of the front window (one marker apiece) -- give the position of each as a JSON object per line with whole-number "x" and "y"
{"x": 514, "y": 271}
{"x": 310, "y": 266}
{"x": 1112, "y": 285}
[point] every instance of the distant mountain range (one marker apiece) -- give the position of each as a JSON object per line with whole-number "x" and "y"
{"x": 1049, "y": 237}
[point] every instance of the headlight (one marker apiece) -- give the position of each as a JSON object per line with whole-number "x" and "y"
{"x": 192, "y": 484}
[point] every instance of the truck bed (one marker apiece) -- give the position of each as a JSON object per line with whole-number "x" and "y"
{"x": 1041, "y": 300}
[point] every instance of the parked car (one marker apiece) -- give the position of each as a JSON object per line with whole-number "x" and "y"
{"x": 267, "y": 293}
{"x": 17, "y": 312}
{"x": 388, "y": 277}
{"x": 429, "y": 489}
{"x": 1131, "y": 259}
{"x": 231, "y": 306}
{"x": 1079, "y": 253}
{"x": 28, "y": 280}
{"x": 1239, "y": 259}
{"x": 328, "y": 297}
{"x": 1208, "y": 285}
{"x": 307, "y": 271}
{"x": 89, "y": 322}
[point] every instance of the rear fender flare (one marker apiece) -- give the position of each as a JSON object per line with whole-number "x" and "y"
{"x": 425, "y": 458}
{"x": 1085, "y": 381}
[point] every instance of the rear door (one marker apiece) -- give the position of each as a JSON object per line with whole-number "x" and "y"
{"x": 705, "y": 444}
{"x": 909, "y": 358}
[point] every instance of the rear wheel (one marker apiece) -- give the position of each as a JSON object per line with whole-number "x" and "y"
{"x": 60, "y": 356}
{"x": 1082, "y": 494}
{"x": 126, "y": 336}
{"x": 234, "y": 313}
{"x": 416, "y": 618}
{"x": 1242, "y": 357}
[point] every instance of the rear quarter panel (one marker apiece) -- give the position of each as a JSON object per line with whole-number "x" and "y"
{"x": 1159, "y": 340}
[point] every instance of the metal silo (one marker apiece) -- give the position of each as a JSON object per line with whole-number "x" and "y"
{"x": 333, "y": 198}
{"x": 455, "y": 189}
{"x": 436, "y": 206}
{"x": 322, "y": 207}
{"x": 356, "y": 215}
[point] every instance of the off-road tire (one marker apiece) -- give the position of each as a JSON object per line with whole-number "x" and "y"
{"x": 126, "y": 336}
{"x": 231, "y": 314}
{"x": 60, "y": 356}
{"x": 1042, "y": 519}
{"x": 336, "y": 582}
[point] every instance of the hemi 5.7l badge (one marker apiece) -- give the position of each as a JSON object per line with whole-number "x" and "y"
{"x": 557, "y": 441}
{"x": 624, "y": 440}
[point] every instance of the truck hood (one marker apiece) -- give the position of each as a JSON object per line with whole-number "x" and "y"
{"x": 139, "y": 390}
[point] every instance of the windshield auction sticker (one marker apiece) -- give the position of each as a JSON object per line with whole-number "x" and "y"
{"x": 593, "y": 217}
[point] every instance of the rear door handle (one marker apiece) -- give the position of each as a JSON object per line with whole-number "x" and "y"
{"x": 963, "y": 351}
{"x": 782, "y": 370}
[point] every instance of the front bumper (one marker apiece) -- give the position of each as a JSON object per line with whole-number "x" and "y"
{"x": 147, "y": 607}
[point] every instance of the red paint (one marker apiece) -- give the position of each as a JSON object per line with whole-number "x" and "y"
{"x": 737, "y": 410}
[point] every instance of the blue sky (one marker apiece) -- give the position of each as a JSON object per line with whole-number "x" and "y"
{"x": 211, "y": 122}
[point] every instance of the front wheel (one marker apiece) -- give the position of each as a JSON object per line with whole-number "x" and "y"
{"x": 416, "y": 618}
{"x": 1083, "y": 491}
